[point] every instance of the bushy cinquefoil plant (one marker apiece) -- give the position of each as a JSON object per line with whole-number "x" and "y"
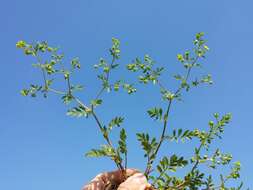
{"x": 161, "y": 173}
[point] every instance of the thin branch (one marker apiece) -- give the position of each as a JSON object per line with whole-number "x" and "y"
{"x": 161, "y": 174}
{"x": 119, "y": 165}
{"x": 125, "y": 160}
{"x": 69, "y": 86}
{"x": 42, "y": 70}
{"x": 149, "y": 165}
{"x": 56, "y": 91}
{"x": 107, "y": 79}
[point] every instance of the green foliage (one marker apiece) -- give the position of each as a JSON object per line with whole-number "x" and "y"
{"x": 115, "y": 50}
{"x": 148, "y": 145}
{"x": 164, "y": 176}
{"x": 67, "y": 98}
{"x": 149, "y": 74}
{"x": 171, "y": 163}
{"x": 156, "y": 113}
{"x": 33, "y": 90}
{"x": 75, "y": 63}
{"x": 122, "y": 141}
{"x": 117, "y": 121}
{"x": 96, "y": 102}
{"x": 79, "y": 112}
{"x": 105, "y": 150}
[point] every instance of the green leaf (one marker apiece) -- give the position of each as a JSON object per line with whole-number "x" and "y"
{"x": 106, "y": 69}
{"x": 115, "y": 51}
{"x": 49, "y": 68}
{"x": 206, "y": 47}
{"x": 102, "y": 63}
{"x": 132, "y": 67}
{"x": 79, "y": 112}
{"x": 235, "y": 173}
{"x": 117, "y": 121}
{"x": 148, "y": 145}
{"x": 114, "y": 66}
{"x": 28, "y": 51}
{"x": 167, "y": 95}
{"x": 77, "y": 87}
{"x": 105, "y": 150}
{"x": 207, "y": 79}
{"x": 75, "y": 63}
{"x": 66, "y": 75}
{"x": 49, "y": 82}
{"x": 116, "y": 86}
{"x": 129, "y": 88}
{"x": 21, "y": 44}
{"x": 67, "y": 98}
{"x": 180, "y": 57}
{"x": 32, "y": 91}
{"x": 199, "y": 35}
{"x": 178, "y": 77}
{"x": 24, "y": 92}
{"x": 95, "y": 153}
{"x": 96, "y": 102}
{"x": 122, "y": 141}
{"x": 155, "y": 113}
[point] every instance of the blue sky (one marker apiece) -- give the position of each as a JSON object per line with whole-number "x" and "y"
{"x": 42, "y": 148}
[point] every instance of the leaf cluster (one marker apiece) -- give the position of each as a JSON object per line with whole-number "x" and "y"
{"x": 161, "y": 172}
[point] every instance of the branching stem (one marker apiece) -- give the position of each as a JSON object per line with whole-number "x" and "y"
{"x": 79, "y": 102}
{"x": 165, "y": 121}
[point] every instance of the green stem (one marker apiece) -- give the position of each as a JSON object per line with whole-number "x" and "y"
{"x": 119, "y": 165}
{"x": 56, "y": 91}
{"x": 107, "y": 79}
{"x": 125, "y": 160}
{"x": 161, "y": 174}
{"x": 149, "y": 164}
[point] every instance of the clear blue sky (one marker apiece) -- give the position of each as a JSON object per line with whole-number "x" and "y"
{"x": 42, "y": 149}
